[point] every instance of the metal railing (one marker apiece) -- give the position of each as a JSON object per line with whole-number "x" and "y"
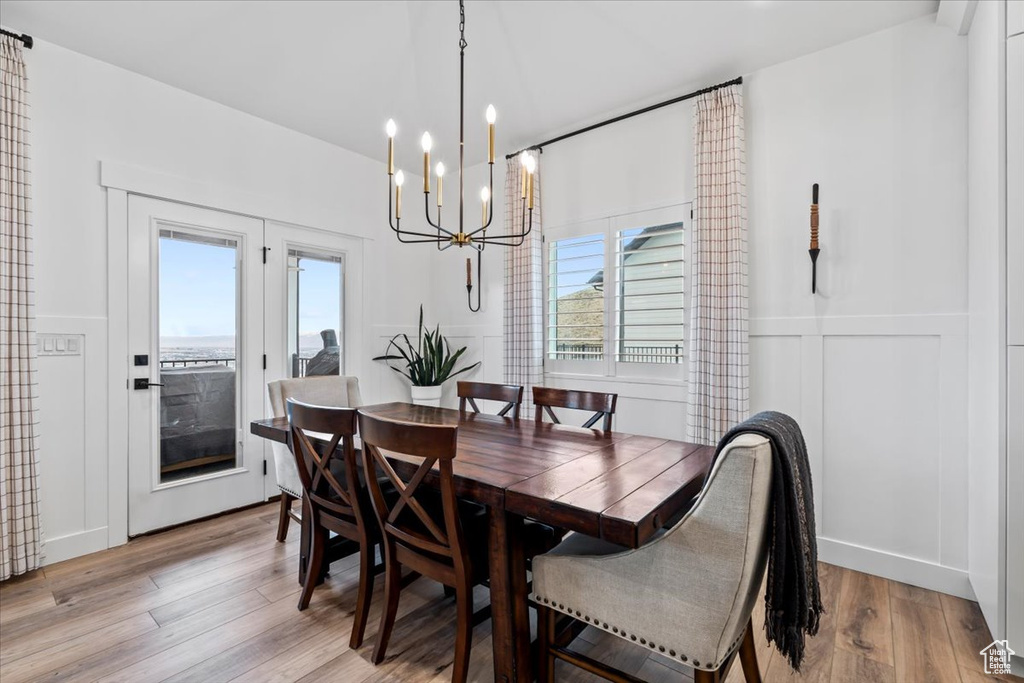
{"x": 627, "y": 354}
{"x": 299, "y": 365}
{"x": 188, "y": 362}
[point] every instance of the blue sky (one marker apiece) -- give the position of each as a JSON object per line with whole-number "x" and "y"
{"x": 197, "y": 291}
{"x": 587, "y": 254}
{"x": 319, "y": 296}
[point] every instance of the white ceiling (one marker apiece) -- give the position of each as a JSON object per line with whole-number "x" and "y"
{"x": 338, "y": 70}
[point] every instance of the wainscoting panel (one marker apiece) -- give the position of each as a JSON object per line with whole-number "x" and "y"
{"x": 882, "y": 448}
{"x": 72, "y": 435}
{"x": 882, "y": 404}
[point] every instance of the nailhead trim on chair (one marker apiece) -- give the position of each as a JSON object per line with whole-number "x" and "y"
{"x": 632, "y": 637}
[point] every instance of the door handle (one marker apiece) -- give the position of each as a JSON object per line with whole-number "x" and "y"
{"x": 144, "y": 383}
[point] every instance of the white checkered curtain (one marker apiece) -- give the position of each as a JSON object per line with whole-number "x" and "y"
{"x": 524, "y": 295}
{"x": 719, "y": 391}
{"x": 20, "y": 543}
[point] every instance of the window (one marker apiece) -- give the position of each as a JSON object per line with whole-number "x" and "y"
{"x": 315, "y": 334}
{"x": 576, "y": 298}
{"x": 616, "y": 295}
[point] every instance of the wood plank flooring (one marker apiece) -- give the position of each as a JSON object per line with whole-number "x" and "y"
{"x": 216, "y": 601}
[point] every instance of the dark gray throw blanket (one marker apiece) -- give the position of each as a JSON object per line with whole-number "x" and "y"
{"x": 793, "y": 596}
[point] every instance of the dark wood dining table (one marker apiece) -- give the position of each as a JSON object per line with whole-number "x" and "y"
{"x": 619, "y": 487}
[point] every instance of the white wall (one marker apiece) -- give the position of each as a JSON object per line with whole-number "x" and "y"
{"x": 85, "y": 111}
{"x": 875, "y": 366}
{"x": 986, "y": 306}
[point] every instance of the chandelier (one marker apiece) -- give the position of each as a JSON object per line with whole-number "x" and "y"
{"x": 473, "y": 237}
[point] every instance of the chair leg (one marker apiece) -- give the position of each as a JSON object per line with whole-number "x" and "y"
{"x": 701, "y": 676}
{"x": 283, "y": 517}
{"x": 545, "y": 634}
{"x": 392, "y": 589}
{"x": 316, "y": 558}
{"x": 367, "y": 561}
{"x": 463, "y": 631}
{"x": 748, "y": 656}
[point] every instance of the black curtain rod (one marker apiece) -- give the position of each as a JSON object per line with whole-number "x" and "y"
{"x": 24, "y": 37}
{"x": 696, "y": 93}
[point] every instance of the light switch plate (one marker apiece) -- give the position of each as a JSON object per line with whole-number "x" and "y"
{"x": 60, "y": 344}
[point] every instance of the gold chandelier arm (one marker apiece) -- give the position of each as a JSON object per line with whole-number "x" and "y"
{"x": 395, "y": 224}
{"x": 490, "y": 208}
{"x": 511, "y": 239}
{"x": 426, "y": 212}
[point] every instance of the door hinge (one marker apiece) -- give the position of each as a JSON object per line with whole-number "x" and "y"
{"x": 265, "y": 250}
{"x": 264, "y": 361}
{"x": 264, "y": 468}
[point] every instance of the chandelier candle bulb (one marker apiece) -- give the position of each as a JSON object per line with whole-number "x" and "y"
{"x": 531, "y": 166}
{"x": 427, "y": 144}
{"x": 390, "y": 129}
{"x": 440, "y": 180}
{"x": 399, "y": 179}
{"x": 491, "y": 116}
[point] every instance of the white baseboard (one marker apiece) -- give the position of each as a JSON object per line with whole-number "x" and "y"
{"x": 74, "y": 545}
{"x": 896, "y": 567}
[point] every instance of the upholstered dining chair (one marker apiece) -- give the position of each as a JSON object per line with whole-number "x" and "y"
{"x": 434, "y": 535}
{"x": 334, "y": 497}
{"x": 510, "y": 395}
{"x": 688, "y": 594}
{"x": 333, "y": 391}
{"x": 601, "y": 404}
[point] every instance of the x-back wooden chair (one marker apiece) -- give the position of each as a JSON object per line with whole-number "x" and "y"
{"x": 418, "y": 535}
{"x": 510, "y": 394}
{"x": 334, "y": 498}
{"x": 602, "y": 405}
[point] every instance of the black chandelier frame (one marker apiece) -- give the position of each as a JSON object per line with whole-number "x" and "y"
{"x": 477, "y": 239}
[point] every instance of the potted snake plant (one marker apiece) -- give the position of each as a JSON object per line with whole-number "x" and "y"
{"x": 427, "y": 365}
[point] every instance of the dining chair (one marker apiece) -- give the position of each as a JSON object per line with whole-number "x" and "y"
{"x": 334, "y": 391}
{"x": 538, "y": 537}
{"x": 510, "y": 394}
{"x": 603, "y": 405}
{"x": 334, "y": 498}
{"x": 687, "y": 594}
{"x": 430, "y": 533}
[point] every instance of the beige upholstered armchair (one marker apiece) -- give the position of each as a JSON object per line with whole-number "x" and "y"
{"x": 331, "y": 391}
{"x": 687, "y": 594}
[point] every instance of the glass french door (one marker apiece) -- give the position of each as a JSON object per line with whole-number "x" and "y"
{"x": 313, "y": 306}
{"x": 196, "y": 319}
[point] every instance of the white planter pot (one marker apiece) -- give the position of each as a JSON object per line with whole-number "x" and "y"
{"x": 426, "y": 396}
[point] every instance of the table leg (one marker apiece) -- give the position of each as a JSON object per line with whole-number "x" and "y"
{"x": 520, "y": 595}
{"x": 510, "y": 621}
{"x": 502, "y": 625}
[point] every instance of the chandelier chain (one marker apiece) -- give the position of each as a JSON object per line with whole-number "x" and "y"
{"x": 462, "y": 26}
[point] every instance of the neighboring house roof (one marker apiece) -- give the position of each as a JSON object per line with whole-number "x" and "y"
{"x": 635, "y": 244}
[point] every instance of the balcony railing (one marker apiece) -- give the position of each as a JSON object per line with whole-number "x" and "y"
{"x": 189, "y": 362}
{"x": 627, "y": 354}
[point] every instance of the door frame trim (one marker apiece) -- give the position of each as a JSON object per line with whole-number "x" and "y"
{"x": 119, "y": 180}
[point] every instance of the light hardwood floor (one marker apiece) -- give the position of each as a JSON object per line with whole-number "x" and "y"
{"x": 216, "y": 601}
